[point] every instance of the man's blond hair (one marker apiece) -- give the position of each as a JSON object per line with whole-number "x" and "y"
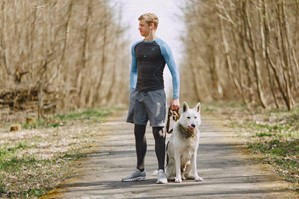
{"x": 150, "y": 18}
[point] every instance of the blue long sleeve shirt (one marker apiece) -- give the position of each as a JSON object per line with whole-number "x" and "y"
{"x": 147, "y": 66}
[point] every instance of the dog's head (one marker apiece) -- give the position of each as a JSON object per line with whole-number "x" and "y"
{"x": 190, "y": 117}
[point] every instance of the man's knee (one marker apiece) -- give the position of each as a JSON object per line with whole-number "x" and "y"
{"x": 158, "y": 132}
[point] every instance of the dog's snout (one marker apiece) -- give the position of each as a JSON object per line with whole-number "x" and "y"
{"x": 193, "y": 125}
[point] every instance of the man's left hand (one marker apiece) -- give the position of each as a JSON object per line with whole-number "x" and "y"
{"x": 175, "y": 104}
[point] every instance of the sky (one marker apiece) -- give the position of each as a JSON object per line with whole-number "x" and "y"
{"x": 170, "y": 25}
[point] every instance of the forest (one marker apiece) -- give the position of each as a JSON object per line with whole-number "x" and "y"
{"x": 242, "y": 50}
{"x": 57, "y": 56}
{"x": 64, "y": 69}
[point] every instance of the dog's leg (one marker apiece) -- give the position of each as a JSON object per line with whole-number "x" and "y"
{"x": 194, "y": 168}
{"x": 170, "y": 166}
{"x": 170, "y": 169}
{"x": 178, "y": 177}
{"x": 183, "y": 170}
{"x": 188, "y": 172}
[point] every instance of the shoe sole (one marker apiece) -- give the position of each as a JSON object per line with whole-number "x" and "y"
{"x": 161, "y": 182}
{"x": 134, "y": 179}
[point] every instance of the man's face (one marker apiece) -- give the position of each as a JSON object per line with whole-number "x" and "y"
{"x": 144, "y": 28}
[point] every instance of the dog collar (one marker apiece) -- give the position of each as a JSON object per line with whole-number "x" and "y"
{"x": 186, "y": 133}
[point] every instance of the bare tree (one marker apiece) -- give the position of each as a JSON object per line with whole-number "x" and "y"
{"x": 257, "y": 61}
{"x": 61, "y": 54}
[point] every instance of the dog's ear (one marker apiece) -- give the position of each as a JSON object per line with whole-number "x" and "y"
{"x": 185, "y": 107}
{"x": 198, "y": 106}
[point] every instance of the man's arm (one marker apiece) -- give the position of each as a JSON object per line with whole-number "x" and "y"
{"x": 133, "y": 70}
{"x": 167, "y": 54}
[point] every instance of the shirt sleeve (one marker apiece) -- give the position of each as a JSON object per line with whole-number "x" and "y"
{"x": 133, "y": 70}
{"x": 167, "y": 54}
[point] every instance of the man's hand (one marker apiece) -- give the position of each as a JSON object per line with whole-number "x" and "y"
{"x": 175, "y": 104}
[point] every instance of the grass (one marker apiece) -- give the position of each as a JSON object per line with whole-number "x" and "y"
{"x": 86, "y": 114}
{"x": 59, "y": 120}
{"x": 7, "y": 155}
{"x": 28, "y": 177}
{"x": 11, "y": 164}
{"x": 279, "y": 143}
{"x": 274, "y": 135}
{"x": 34, "y": 160}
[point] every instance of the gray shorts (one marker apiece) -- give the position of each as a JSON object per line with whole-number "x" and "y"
{"x": 147, "y": 106}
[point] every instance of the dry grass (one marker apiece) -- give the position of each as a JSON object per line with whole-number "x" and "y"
{"x": 272, "y": 134}
{"x": 35, "y": 159}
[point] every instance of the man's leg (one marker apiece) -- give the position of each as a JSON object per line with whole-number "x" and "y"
{"x": 141, "y": 145}
{"x": 160, "y": 136}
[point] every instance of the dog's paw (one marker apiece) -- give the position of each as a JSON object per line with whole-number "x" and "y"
{"x": 198, "y": 179}
{"x": 171, "y": 178}
{"x": 178, "y": 180}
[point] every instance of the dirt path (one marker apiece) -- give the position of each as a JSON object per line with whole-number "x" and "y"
{"x": 227, "y": 172}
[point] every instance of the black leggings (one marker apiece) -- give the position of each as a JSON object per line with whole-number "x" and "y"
{"x": 141, "y": 145}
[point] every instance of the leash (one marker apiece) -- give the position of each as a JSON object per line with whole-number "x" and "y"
{"x": 175, "y": 116}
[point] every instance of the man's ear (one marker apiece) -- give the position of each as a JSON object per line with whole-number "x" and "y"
{"x": 152, "y": 26}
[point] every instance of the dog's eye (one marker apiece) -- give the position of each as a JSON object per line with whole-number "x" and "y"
{"x": 189, "y": 117}
{"x": 195, "y": 117}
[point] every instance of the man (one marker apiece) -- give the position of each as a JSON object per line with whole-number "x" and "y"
{"x": 147, "y": 95}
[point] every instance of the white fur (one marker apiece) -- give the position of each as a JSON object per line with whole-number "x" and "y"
{"x": 182, "y": 148}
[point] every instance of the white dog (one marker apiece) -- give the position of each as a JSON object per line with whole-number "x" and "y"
{"x": 183, "y": 144}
